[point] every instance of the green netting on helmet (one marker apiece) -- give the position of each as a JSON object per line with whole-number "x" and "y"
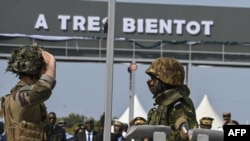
{"x": 168, "y": 70}
{"x": 25, "y": 59}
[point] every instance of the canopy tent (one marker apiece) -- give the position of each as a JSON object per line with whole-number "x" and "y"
{"x": 138, "y": 111}
{"x": 205, "y": 109}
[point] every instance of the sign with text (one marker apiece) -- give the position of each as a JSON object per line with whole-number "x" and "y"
{"x": 132, "y": 20}
{"x": 237, "y": 132}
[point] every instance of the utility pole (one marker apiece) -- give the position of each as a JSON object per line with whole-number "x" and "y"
{"x": 109, "y": 70}
{"x": 131, "y": 69}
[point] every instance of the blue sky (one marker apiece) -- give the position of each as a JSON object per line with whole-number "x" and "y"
{"x": 81, "y": 86}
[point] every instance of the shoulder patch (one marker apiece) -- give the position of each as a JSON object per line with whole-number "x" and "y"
{"x": 178, "y": 105}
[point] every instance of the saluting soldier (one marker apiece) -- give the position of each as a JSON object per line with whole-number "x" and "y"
{"x": 23, "y": 109}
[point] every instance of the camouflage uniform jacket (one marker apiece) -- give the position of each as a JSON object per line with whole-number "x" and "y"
{"x": 174, "y": 108}
{"x": 24, "y": 111}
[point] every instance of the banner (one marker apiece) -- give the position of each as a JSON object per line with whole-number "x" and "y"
{"x": 76, "y": 18}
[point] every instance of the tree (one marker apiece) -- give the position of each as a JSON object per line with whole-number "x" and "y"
{"x": 72, "y": 120}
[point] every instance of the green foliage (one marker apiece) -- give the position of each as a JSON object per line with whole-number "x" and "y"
{"x": 72, "y": 121}
{"x": 96, "y": 126}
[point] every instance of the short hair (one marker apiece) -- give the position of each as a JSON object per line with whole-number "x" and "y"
{"x": 89, "y": 119}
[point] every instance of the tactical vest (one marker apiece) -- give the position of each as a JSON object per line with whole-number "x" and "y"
{"x": 23, "y": 131}
{"x": 160, "y": 116}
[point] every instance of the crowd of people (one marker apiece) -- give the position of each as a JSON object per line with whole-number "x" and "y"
{"x": 26, "y": 117}
{"x": 207, "y": 122}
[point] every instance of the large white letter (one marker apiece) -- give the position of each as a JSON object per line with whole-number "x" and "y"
{"x": 78, "y": 23}
{"x": 63, "y": 19}
{"x": 193, "y": 27}
{"x": 243, "y": 131}
{"x": 151, "y": 26}
{"x": 41, "y": 22}
{"x": 163, "y": 26}
{"x": 128, "y": 25}
{"x": 94, "y": 23}
{"x": 237, "y": 131}
{"x": 207, "y": 27}
{"x": 140, "y": 26}
{"x": 179, "y": 24}
{"x": 231, "y": 132}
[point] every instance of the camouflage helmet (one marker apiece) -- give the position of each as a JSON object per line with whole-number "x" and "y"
{"x": 25, "y": 59}
{"x": 168, "y": 70}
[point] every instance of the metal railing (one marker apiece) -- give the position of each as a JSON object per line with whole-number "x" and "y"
{"x": 162, "y": 132}
{"x": 144, "y": 51}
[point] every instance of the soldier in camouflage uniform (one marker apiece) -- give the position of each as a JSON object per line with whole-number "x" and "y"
{"x": 23, "y": 109}
{"x": 174, "y": 107}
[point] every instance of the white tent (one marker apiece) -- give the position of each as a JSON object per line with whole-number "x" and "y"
{"x": 138, "y": 111}
{"x": 205, "y": 109}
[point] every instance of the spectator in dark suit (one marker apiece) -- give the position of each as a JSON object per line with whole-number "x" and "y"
{"x": 89, "y": 134}
{"x": 55, "y": 132}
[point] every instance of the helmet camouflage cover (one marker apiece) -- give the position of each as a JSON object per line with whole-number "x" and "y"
{"x": 25, "y": 59}
{"x": 168, "y": 70}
